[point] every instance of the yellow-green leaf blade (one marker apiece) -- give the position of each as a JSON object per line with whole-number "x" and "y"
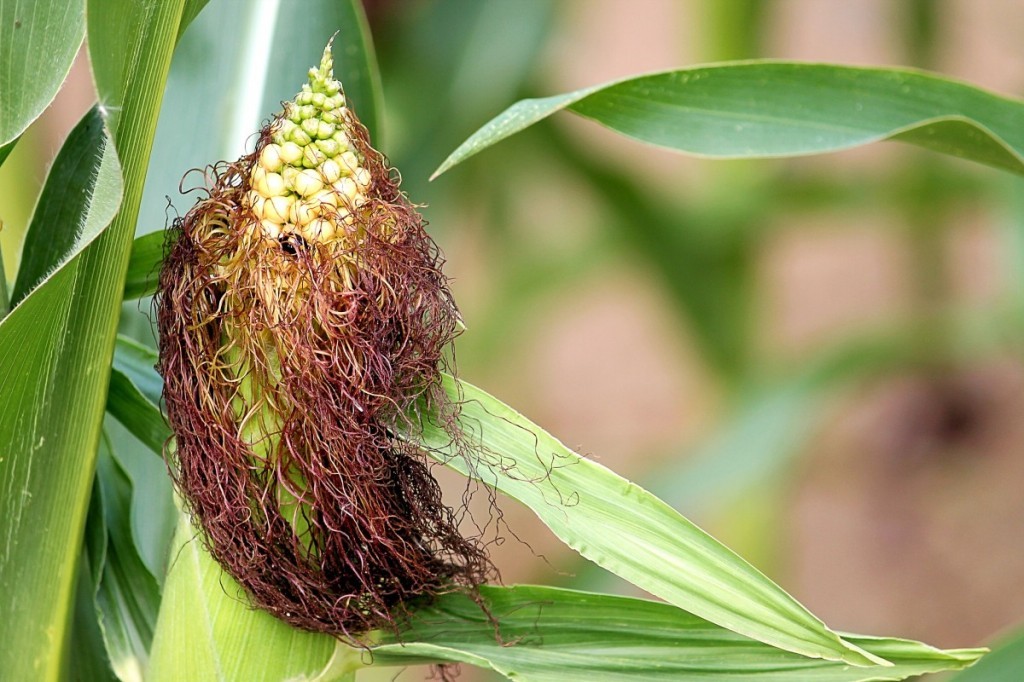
{"x": 774, "y": 109}
{"x": 625, "y": 529}
{"x": 557, "y": 635}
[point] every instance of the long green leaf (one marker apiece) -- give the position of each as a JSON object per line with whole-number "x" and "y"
{"x": 85, "y": 173}
{"x": 55, "y": 348}
{"x": 127, "y": 596}
{"x": 771, "y": 109}
{"x": 554, "y": 635}
{"x": 48, "y": 405}
{"x": 38, "y": 43}
{"x": 136, "y": 411}
{"x": 624, "y": 529}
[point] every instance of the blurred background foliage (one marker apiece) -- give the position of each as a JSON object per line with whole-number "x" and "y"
{"x": 817, "y": 359}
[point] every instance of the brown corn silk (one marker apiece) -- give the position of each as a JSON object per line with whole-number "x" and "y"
{"x": 289, "y": 364}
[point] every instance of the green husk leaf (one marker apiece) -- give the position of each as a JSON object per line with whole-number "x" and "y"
{"x": 761, "y": 109}
{"x": 205, "y": 614}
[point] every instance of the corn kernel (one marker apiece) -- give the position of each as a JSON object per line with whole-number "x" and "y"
{"x": 342, "y": 139}
{"x": 274, "y": 186}
{"x": 350, "y": 161}
{"x": 324, "y": 130}
{"x": 318, "y": 229}
{"x": 329, "y": 147}
{"x": 291, "y": 153}
{"x": 326, "y": 197}
{"x": 300, "y": 137}
{"x": 312, "y": 157}
{"x": 346, "y": 187}
{"x": 302, "y": 212}
{"x": 308, "y": 182}
{"x": 363, "y": 178}
{"x": 270, "y": 158}
{"x": 330, "y": 169}
{"x": 277, "y": 209}
{"x": 310, "y": 126}
{"x": 270, "y": 229}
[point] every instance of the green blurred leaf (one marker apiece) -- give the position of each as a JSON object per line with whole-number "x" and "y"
{"x": 128, "y": 405}
{"x": 38, "y": 43}
{"x": 55, "y": 348}
{"x": 1004, "y": 664}
{"x": 81, "y": 195}
{"x": 144, "y": 265}
{"x": 554, "y": 635}
{"x": 127, "y": 596}
{"x": 137, "y": 363}
{"x": 623, "y": 528}
{"x": 770, "y": 109}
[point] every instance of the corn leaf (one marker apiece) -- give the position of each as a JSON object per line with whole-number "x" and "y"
{"x": 770, "y": 109}
{"x": 556, "y": 635}
{"x": 126, "y": 594}
{"x": 55, "y": 348}
{"x": 144, "y": 265}
{"x": 38, "y": 42}
{"x": 85, "y": 173}
{"x": 624, "y": 529}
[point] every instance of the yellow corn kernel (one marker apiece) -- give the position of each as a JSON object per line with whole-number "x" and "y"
{"x": 277, "y": 209}
{"x": 291, "y": 153}
{"x": 331, "y": 171}
{"x": 318, "y": 229}
{"x": 326, "y": 197}
{"x": 350, "y": 161}
{"x": 308, "y": 182}
{"x": 363, "y": 179}
{"x": 270, "y": 229}
{"x": 270, "y": 158}
{"x": 303, "y": 212}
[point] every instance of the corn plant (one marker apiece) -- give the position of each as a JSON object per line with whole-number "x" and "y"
{"x": 104, "y": 576}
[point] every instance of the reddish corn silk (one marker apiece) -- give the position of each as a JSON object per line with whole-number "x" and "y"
{"x": 304, "y": 321}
